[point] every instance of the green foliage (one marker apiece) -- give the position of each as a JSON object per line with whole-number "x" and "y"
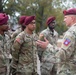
{"x": 1, "y": 6}
{"x": 41, "y": 8}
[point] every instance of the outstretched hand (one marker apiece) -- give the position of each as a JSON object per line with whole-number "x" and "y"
{"x": 43, "y": 44}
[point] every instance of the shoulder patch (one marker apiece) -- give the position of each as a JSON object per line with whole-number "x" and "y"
{"x": 67, "y": 42}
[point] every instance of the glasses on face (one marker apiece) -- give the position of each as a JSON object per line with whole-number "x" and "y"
{"x": 33, "y": 23}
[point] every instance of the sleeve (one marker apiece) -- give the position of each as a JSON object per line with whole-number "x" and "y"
{"x": 17, "y": 46}
{"x": 67, "y": 47}
{"x": 40, "y": 50}
{"x": 57, "y": 36}
{"x": 52, "y": 48}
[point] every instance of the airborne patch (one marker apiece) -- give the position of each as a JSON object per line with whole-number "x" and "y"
{"x": 67, "y": 41}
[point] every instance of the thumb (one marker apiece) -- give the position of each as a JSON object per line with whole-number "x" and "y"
{"x": 45, "y": 39}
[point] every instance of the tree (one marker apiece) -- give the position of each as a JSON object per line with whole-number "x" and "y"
{"x": 41, "y": 8}
{"x": 1, "y": 6}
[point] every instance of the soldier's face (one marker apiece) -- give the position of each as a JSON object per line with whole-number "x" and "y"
{"x": 4, "y": 27}
{"x": 52, "y": 25}
{"x": 68, "y": 20}
{"x": 32, "y": 25}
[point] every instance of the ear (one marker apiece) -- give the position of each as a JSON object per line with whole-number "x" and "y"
{"x": 73, "y": 18}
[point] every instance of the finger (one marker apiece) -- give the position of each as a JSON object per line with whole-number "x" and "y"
{"x": 45, "y": 39}
{"x": 37, "y": 42}
{"x": 40, "y": 41}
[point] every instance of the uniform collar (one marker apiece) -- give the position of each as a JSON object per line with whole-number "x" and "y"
{"x": 49, "y": 30}
{"x": 28, "y": 34}
{"x": 74, "y": 24}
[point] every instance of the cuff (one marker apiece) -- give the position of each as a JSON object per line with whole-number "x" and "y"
{"x": 49, "y": 46}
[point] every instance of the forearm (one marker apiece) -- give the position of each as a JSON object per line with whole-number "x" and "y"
{"x": 15, "y": 53}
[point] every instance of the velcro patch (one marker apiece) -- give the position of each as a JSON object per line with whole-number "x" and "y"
{"x": 67, "y": 41}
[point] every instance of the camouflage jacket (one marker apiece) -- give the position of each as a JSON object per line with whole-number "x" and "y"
{"x": 15, "y": 33}
{"x": 25, "y": 53}
{"x": 52, "y": 37}
{"x": 47, "y": 57}
{"x": 4, "y": 50}
{"x": 66, "y": 56}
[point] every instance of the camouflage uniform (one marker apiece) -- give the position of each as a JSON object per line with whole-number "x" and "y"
{"x": 14, "y": 34}
{"x": 51, "y": 36}
{"x": 9, "y": 33}
{"x": 66, "y": 56}
{"x": 25, "y": 54}
{"x": 4, "y": 54}
{"x": 47, "y": 57}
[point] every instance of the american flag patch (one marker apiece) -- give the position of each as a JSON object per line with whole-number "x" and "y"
{"x": 67, "y": 41}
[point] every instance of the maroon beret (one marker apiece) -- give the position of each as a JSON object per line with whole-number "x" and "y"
{"x": 71, "y": 11}
{"x": 22, "y": 19}
{"x": 3, "y": 18}
{"x": 50, "y": 19}
{"x": 29, "y": 20}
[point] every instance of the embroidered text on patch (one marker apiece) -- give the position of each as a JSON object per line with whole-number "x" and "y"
{"x": 67, "y": 42}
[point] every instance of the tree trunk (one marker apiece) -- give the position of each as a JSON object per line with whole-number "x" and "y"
{"x": 1, "y": 6}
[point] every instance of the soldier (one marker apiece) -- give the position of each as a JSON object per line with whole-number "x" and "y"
{"x": 25, "y": 54}
{"x": 5, "y": 55}
{"x": 52, "y": 36}
{"x": 66, "y": 56}
{"x": 20, "y": 29}
{"x": 50, "y": 32}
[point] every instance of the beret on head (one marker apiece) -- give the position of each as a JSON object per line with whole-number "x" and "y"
{"x": 3, "y": 18}
{"x": 29, "y": 20}
{"x": 71, "y": 11}
{"x": 22, "y": 19}
{"x": 50, "y": 19}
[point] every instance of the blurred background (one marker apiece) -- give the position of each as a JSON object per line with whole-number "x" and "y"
{"x": 41, "y": 8}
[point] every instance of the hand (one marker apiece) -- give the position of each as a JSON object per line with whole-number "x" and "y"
{"x": 43, "y": 44}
